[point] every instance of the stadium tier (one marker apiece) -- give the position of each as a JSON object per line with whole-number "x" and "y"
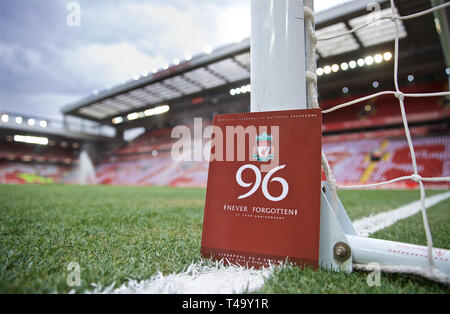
{"x": 353, "y": 162}
{"x": 367, "y": 158}
{"x": 364, "y": 144}
{"x": 378, "y": 160}
{"x": 26, "y": 152}
{"x": 383, "y": 111}
{"x": 13, "y": 172}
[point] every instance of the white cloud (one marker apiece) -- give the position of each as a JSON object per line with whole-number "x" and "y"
{"x": 234, "y": 24}
{"x": 19, "y": 60}
{"x": 173, "y": 28}
{"x": 116, "y": 41}
{"x": 149, "y": 35}
{"x": 107, "y": 64}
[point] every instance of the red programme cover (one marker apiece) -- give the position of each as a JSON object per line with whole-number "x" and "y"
{"x": 263, "y": 196}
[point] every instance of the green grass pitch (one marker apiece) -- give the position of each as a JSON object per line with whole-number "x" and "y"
{"x": 118, "y": 233}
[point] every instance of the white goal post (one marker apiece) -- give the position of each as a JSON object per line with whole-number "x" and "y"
{"x": 283, "y": 59}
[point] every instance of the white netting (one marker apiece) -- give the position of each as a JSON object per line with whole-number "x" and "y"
{"x": 311, "y": 80}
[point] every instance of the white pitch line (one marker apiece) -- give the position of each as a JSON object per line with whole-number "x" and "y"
{"x": 373, "y": 223}
{"x": 197, "y": 279}
{"x": 219, "y": 279}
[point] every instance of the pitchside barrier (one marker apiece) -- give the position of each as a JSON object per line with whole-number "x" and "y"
{"x": 256, "y": 216}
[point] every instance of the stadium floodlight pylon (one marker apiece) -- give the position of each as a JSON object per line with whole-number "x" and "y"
{"x": 283, "y": 48}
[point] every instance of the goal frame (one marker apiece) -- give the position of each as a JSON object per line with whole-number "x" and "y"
{"x": 287, "y": 83}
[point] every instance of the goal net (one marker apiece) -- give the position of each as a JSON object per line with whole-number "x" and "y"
{"x": 430, "y": 272}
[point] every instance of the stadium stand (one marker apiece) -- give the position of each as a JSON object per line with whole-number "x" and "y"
{"x": 361, "y": 149}
{"x": 383, "y": 110}
{"x": 354, "y": 161}
{"x": 29, "y": 163}
{"x": 365, "y": 142}
{"x": 149, "y": 170}
{"x": 147, "y": 161}
{"x": 27, "y": 152}
{"x": 14, "y": 172}
{"x": 349, "y": 157}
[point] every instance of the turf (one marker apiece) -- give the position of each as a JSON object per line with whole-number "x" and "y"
{"x": 121, "y": 233}
{"x": 293, "y": 280}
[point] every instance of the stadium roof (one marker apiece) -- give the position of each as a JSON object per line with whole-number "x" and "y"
{"x": 15, "y": 123}
{"x": 228, "y": 67}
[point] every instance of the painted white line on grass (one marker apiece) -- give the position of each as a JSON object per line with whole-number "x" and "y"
{"x": 220, "y": 279}
{"x": 197, "y": 279}
{"x": 373, "y": 223}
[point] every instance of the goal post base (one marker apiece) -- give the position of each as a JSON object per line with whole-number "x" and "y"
{"x": 341, "y": 246}
{"x": 334, "y": 247}
{"x": 397, "y": 254}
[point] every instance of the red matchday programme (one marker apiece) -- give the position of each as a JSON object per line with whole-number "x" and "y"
{"x": 263, "y": 194}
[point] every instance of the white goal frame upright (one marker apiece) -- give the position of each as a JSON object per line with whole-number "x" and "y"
{"x": 283, "y": 59}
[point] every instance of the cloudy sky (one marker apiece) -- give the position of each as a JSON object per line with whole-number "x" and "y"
{"x": 47, "y": 63}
